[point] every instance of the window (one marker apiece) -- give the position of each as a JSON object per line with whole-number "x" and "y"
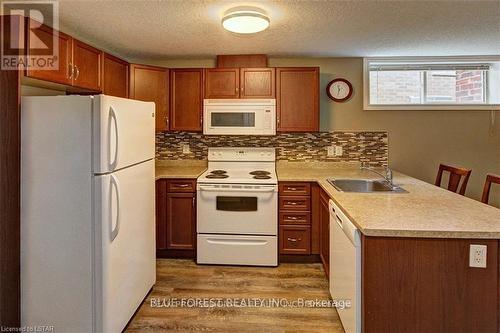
{"x": 432, "y": 83}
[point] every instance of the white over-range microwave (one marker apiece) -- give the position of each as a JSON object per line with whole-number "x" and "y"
{"x": 239, "y": 116}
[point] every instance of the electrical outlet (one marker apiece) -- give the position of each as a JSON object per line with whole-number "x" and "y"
{"x": 330, "y": 150}
{"x": 477, "y": 256}
{"x": 185, "y": 148}
{"x": 334, "y": 150}
{"x": 338, "y": 150}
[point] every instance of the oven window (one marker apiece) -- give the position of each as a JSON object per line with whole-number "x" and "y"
{"x": 237, "y": 204}
{"x": 232, "y": 119}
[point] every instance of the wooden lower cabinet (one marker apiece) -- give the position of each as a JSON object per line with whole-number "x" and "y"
{"x": 161, "y": 214}
{"x": 324, "y": 231}
{"x": 426, "y": 285}
{"x": 176, "y": 218}
{"x": 294, "y": 218}
{"x": 181, "y": 221}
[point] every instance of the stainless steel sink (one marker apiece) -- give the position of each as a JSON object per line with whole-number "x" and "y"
{"x": 364, "y": 186}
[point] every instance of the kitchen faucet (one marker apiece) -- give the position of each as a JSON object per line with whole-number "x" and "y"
{"x": 388, "y": 176}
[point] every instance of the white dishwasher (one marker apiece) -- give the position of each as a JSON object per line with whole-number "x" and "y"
{"x": 345, "y": 268}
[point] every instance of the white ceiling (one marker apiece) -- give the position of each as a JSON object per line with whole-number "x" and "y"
{"x": 156, "y": 29}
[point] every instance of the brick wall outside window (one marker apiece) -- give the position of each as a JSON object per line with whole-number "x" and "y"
{"x": 406, "y": 87}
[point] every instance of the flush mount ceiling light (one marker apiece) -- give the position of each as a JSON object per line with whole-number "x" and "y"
{"x": 245, "y": 20}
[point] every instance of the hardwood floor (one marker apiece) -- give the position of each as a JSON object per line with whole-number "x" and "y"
{"x": 183, "y": 279}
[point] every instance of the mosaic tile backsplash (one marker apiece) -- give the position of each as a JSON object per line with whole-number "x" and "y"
{"x": 371, "y": 147}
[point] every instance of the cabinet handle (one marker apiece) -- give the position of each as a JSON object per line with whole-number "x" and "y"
{"x": 278, "y": 121}
{"x": 292, "y": 189}
{"x": 71, "y": 70}
{"x": 167, "y": 121}
{"x": 292, "y": 218}
{"x": 294, "y": 240}
{"x": 236, "y": 89}
{"x": 293, "y": 203}
{"x": 77, "y": 72}
{"x": 181, "y": 185}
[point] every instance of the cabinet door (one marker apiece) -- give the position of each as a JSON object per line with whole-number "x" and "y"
{"x": 297, "y": 99}
{"x": 115, "y": 76}
{"x": 186, "y": 99}
{"x": 87, "y": 61}
{"x": 161, "y": 214}
{"x": 257, "y": 83}
{"x": 150, "y": 84}
{"x": 222, "y": 83}
{"x": 181, "y": 221}
{"x": 62, "y": 73}
{"x": 325, "y": 235}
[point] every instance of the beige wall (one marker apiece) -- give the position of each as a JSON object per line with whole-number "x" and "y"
{"x": 418, "y": 140}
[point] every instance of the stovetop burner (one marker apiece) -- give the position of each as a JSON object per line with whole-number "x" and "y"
{"x": 261, "y": 177}
{"x": 218, "y": 172}
{"x": 260, "y": 173}
{"x": 217, "y": 176}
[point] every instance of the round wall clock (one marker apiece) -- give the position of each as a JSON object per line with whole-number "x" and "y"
{"x": 339, "y": 90}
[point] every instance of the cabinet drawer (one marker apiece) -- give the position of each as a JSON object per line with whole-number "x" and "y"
{"x": 181, "y": 185}
{"x": 295, "y": 240}
{"x": 298, "y": 203}
{"x": 294, "y": 218}
{"x": 294, "y": 188}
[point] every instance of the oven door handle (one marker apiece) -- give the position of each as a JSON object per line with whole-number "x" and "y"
{"x": 237, "y": 241}
{"x": 246, "y": 190}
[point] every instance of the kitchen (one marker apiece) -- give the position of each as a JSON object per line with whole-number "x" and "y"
{"x": 249, "y": 162}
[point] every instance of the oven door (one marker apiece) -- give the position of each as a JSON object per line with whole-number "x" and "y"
{"x": 237, "y": 209}
{"x": 239, "y": 120}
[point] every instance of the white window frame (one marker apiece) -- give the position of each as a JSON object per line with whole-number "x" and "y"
{"x": 434, "y": 106}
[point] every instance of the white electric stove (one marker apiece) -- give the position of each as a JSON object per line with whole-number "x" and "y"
{"x": 237, "y": 208}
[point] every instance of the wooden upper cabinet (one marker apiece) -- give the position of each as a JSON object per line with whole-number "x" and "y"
{"x": 222, "y": 83}
{"x": 257, "y": 83}
{"x": 150, "y": 84}
{"x": 241, "y": 60}
{"x": 186, "y": 99}
{"x": 114, "y": 76}
{"x": 62, "y": 74}
{"x": 87, "y": 62}
{"x": 297, "y": 99}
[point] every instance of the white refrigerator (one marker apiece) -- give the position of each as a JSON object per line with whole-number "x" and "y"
{"x": 87, "y": 211}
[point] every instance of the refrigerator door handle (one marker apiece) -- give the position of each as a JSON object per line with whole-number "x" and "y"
{"x": 112, "y": 116}
{"x": 116, "y": 186}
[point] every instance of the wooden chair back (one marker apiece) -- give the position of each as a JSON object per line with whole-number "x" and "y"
{"x": 456, "y": 175}
{"x": 490, "y": 179}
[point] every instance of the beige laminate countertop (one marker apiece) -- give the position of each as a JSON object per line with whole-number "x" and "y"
{"x": 179, "y": 169}
{"x": 425, "y": 211}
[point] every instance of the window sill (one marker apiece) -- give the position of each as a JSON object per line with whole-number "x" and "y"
{"x": 432, "y": 107}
